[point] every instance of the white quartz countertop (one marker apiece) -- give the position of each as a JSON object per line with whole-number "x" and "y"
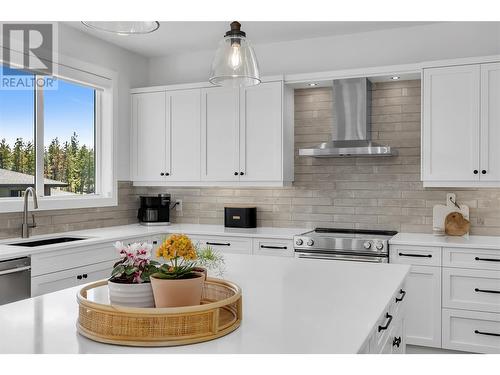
{"x": 421, "y": 239}
{"x": 289, "y": 306}
{"x": 121, "y": 232}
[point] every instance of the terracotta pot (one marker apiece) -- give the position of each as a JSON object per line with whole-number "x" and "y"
{"x": 178, "y": 292}
{"x": 202, "y": 271}
{"x": 133, "y": 295}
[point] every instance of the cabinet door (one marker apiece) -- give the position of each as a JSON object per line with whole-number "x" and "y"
{"x": 423, "y": 306}
{"x": 149, "y": 136}
{"x": 450, "y": 144}
{"x": 69, "y": 278}
{"x": 185, "y": 128}
{"x": 220, "y": 134}
{"x": 490, "y": 122}
{"x": 261, "y": 132}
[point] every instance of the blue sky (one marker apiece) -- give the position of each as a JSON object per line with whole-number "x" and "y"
{"x": 68, "y": 108}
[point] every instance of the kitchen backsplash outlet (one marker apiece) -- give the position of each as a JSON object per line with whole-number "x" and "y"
{"x": 363, "y": 192}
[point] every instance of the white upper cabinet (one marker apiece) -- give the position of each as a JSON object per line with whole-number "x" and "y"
{"x": 461, "y": 126}
{"x": 213, "y": 136}
{"x": 261, "y": 132}
{"x": 490, "y": 122}
{"x": 185, "y": 128}
{"x": 220, "y": 134}
{"x": 149, "y": 136}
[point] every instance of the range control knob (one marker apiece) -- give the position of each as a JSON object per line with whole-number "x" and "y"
{"x": 367, "y": 245}
{"x": 310, "y": 242}
{"x": 379, "y": 246}
{"x": 298, "y": 242}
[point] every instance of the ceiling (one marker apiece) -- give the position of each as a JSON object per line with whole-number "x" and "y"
{"x": 180, "y": 37}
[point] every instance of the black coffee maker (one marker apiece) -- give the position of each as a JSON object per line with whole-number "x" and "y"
{"x": 154, "y": 210}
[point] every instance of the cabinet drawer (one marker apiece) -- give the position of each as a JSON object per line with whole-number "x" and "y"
{"x": 415, "y": 255}
{"x": 471, "y": 258}
{"x": 66, "y": 279}
{"x": 60, "y": 260}
{"x": 471, "y": 289}
{"x": 233, "y": 245}
{"x": 471, "y": 331}
{"x": 270, "y": 246}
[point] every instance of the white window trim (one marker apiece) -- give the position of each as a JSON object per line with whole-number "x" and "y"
{"x": 105, "y": 81}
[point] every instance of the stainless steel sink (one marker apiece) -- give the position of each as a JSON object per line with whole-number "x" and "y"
{"x": 46, "y": 241}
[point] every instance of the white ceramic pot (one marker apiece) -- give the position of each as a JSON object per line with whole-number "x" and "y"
{"x": 133, "y": 295}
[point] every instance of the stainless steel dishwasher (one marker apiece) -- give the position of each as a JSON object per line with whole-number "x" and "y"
{"x": 15, "y": 279}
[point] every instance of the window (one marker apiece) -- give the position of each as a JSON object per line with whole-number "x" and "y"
{"x": 59, "y": 139}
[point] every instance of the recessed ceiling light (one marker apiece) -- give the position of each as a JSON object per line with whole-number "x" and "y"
{"x": 312, "y": 84}
{"x": 395, "y": 78}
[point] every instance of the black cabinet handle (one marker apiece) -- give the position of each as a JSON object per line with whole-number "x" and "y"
{"x": 155, "y": 242}
{"x": 236, "y": 173}
{"x": 416, "y": 255}
{"x": 403, "y": 294}
{"x": 241, "y": 173}
{"x": 483, "y": 171}
{"x": 85, "y": 275}
{"x": 273, "y": 247}
{"x": 486, "y": 291}
{"x": 162, "y": 174}
{"x": 486, "y": 333}
{"x": 219, "y": 243}
{"x": 396, "y": 342}
{"x": 79, "y": 277}
{"x": 387, "y": 324}
{"x": 476, "y": 171}
{"x": 488, "y": 259}
{"x": 167, "y": 174}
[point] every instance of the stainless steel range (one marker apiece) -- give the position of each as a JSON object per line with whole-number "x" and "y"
{"x": 344, "y": 244}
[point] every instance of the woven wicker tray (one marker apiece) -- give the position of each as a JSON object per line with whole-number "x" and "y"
{"x": 219, "y": 314}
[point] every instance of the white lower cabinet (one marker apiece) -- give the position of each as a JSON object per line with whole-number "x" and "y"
{"x": 273, "y": 247}
{"x": 231, "y": 245}
{"x": 472, "y": 331}
{"x": 69, "y": 278}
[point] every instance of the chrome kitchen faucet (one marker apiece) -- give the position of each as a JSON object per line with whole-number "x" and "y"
{"x": 25, "y": 226}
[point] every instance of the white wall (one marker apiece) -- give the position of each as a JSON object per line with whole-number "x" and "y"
{"x": 132, "y": 72}
{"x": 377, "y": 48}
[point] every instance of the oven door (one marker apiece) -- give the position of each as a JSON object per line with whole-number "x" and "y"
{"x": 341, "y": 256}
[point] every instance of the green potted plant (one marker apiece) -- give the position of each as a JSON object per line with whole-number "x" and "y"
{"x": 129, "y": 284}
{"x": 179, "y": 281}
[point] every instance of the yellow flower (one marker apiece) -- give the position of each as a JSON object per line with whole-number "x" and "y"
{"x": 177, "y": 245}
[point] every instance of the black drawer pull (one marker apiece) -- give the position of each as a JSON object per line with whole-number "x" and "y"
{"x": 79, "y": 277}
{"x": 488, "y": 259}
{"x": 273, "y": 247}
{"x": 155, "y": 242}
{"x": 389, "y": 320}
{"x": 486, "y": 333}
{"x": 396, "y": 342}
{"x": 487, "y": 291}
{"x": 403, "y": 294}
{"x": 85, "y": 275}
{"x": 219, "y": 243}
{"x": 416, "y": 255}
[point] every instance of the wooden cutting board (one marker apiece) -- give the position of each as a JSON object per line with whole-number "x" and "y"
{"x": 441, "y": 211}
{"x": 456, "y": 225}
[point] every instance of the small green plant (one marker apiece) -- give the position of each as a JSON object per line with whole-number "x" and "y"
{"x": 210, "y": 259}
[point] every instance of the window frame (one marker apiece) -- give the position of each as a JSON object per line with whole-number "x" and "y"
{"x": 104, "y": 82}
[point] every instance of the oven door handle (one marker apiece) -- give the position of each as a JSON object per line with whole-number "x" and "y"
{"x": 322, "y": 256}
{"x": 14, "y": 270}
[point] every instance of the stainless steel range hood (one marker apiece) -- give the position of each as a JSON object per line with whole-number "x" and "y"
{"x": 351, "y": 126}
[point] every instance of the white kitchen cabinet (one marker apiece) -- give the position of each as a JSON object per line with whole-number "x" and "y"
{"x": 261, "y": 132}
{"x": 166, "y": 136}
{"x": 490, "y": 122}
{"x": 273, "y": 247}
{"x": 232, "y": 245}
{"x": 184, "y": 125}
{"x": 461, "y": 126}
{"x": 220, "y": 148}
{"x": 150, "y": 159}
{"x": 69, "y": 278}
{"x": 423, "y": 306}
{"x": 451, "y": 119}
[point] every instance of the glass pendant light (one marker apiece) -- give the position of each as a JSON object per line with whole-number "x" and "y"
{"x": 234, "y": 64}
{"x": 124, "y": 27}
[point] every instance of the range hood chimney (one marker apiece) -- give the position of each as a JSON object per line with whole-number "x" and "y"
{"x": 351, "y": 128}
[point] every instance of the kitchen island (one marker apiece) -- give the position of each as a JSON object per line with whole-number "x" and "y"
{"x": 289, "y": 306}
